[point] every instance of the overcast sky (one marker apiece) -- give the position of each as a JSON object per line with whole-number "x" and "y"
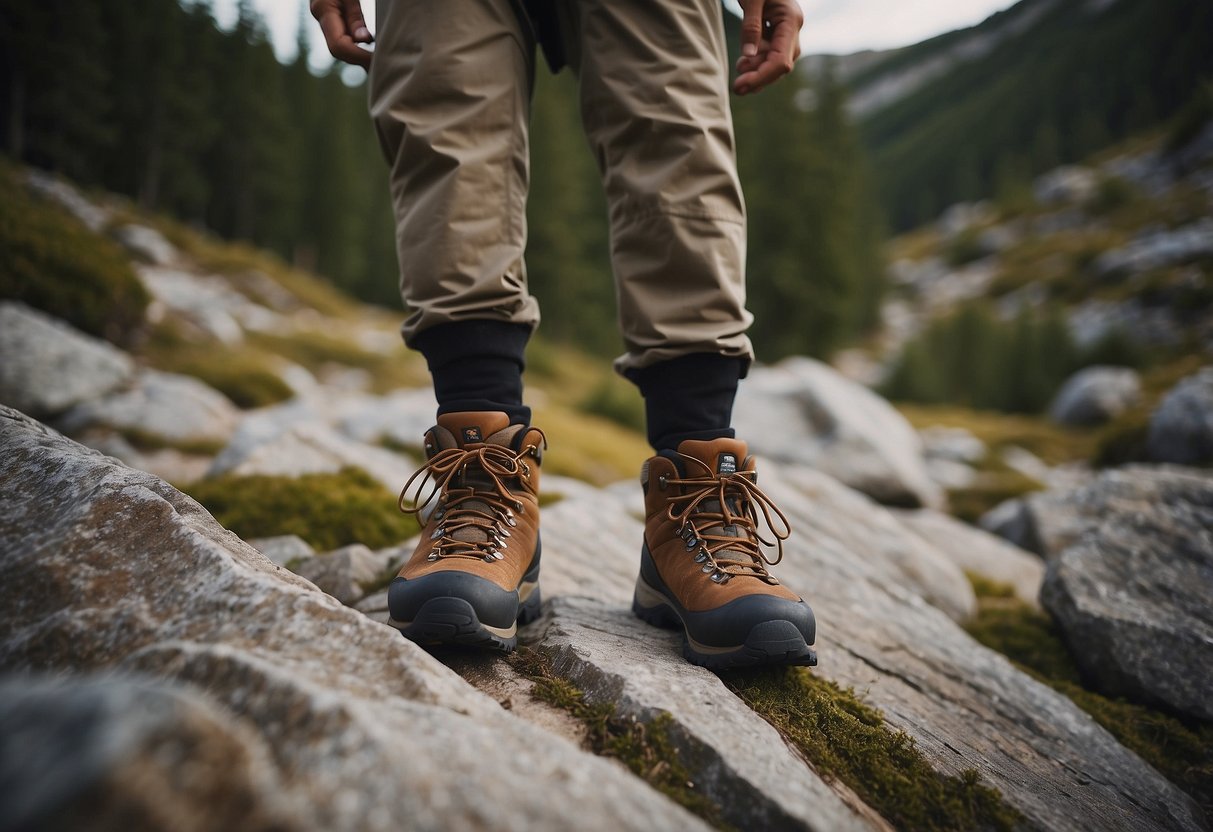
{"x": 836, "y": 26}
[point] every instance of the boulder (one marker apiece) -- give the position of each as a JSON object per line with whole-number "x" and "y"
{"x": 170, "y": 464}
{"x": 95, "y": 217}
{"x": 964, "y": 705}
{"x": 1095, "y": 395}
{"x": 952, "y": 444}
{"x": 308, "y": 448}
{"x": 89, "y": 752}
{"x": 740, "y": 762}
{"x": 1069, "y": 184}
{"x": 148, "y": 244}
{"x": 283, "y": 549}
{"x": 1159, "y": 249}
{"x": 1131, "y": 594}
{"x": 177, "y": 409}
{"x": 978, "y": 552}
{"x": 106, "y": 568}
{"x": 208, "y": 303}
{"x": 343, "y": 573}
{"x": 1048, "y": 522}
{"x": 802, "y": 411}
{"x": 1181, "y": 427}
{"x": 47, "y": 366}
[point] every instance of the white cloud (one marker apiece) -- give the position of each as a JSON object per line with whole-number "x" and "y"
{"x": 836, "y": 26}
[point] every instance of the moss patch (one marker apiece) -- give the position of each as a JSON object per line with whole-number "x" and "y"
{"x": 846, "y": 739}
{"x": 145, "y": 440}
{"x": 316, "y": 350}
{"x": 589, "y": 448}
{"x": 243, "y": 374}
{"x": 645, "y": 748}
{"x": 326, "y": 510}
{"x": 1182, "y": 750}
{"x": 53, "y": 262}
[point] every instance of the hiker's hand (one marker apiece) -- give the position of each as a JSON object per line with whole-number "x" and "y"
{"x": 344, "y": 28}
{"x": 770, "y": 43}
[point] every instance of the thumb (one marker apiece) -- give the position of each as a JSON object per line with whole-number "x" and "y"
{"x": 751, "y": 27}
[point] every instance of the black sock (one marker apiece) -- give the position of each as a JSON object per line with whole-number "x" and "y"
{"x": 689, "y": 397}
{"x": 477, "y": 365}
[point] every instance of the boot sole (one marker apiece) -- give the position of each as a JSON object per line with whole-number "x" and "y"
{"x": 775, "y": 642}
{"x": 447, "y": 620}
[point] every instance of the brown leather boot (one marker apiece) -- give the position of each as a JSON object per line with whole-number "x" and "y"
{"x": 475, "y": 574}
{"x": 703, "y": 568}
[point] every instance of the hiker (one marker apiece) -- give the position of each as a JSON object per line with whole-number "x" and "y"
{"x": 450, "y": 87}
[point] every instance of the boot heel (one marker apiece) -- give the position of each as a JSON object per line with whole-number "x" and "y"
{"x": 529, "y": 609}
{"x": 650, "y": 607}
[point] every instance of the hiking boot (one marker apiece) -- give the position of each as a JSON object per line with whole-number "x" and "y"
{"x": 703, "y": 568}
{"x": 474, "y": 577}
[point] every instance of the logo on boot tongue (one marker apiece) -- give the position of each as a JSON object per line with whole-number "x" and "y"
{"x": 726, "y": 464}
{"x": 472, "y": 434}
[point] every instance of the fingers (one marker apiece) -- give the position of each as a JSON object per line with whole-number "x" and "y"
{"x": 751, "y": 27}
{"x": 331, "y": 14}
{"x": 777, "y": 56}
{"x": 355, "y": 23}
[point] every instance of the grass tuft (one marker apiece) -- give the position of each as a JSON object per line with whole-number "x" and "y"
{"x": 326, "y": 510}
{"x": 844, "y": 738}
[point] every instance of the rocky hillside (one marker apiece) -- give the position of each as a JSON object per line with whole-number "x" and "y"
{"x": 174, "y": 673}
{"x": 1041, "y": 83}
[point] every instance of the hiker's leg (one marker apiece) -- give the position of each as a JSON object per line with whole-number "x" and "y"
{"x": 450, "y": 98}
{"x": 654, "y": 99}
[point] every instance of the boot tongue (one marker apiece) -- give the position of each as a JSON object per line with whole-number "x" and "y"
{"x": 713, "y": 458}
{"x": 473, "y": 430}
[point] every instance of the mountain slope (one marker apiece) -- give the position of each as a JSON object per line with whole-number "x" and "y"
{"x": 1045, "y": 82}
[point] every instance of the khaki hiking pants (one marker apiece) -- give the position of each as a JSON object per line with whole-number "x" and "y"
{"x": 450, "y": 97}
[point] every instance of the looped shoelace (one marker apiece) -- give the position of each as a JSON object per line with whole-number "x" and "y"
{"x": 486, "y": 506}
{"x": 727, "y": 491}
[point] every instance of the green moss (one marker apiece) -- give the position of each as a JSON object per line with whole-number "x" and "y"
{"x": 846, "y": 739}
{"x": 644, "y": 747}
{"x": 1181, "y": 750}
{"x": 145, "y": 440}
{"x": 315, "y": 350}
{"x": 53, "y": 262}
{"x": 326, "y": 510}
{"x": 243, "y": 374}
{"x": 618, "y": 400}
{"x": 1053, "y": 443}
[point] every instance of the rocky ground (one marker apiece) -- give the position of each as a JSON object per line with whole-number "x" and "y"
{"x": 160, "y": 671}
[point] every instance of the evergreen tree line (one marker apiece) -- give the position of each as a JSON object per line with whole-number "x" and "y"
{"x": 1082, "y": 77}
{"x": 977, "y": 359}
{"x": 151, "y": 99}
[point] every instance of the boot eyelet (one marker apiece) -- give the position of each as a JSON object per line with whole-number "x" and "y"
{"x": 692, "y": 542}
{"x": 662, "y": 481}
{"x": 519, "y": 507}
{"x": 438, "y": 532}
{"x": 718, "y": 577}
{"x": 432, "y": 556}
{"x": 701, "y": 557}
{"x": 708, "y": 567}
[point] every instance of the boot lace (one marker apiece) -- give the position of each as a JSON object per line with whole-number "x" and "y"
{"x": 476, "y": 506}
{"x": 709, "y": 507}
